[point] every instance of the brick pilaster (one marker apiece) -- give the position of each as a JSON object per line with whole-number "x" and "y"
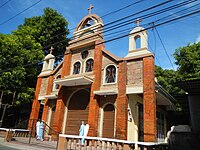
{"x": 48, "y": 92}
{"x": 93, "y": 105}
{"x": 122, "y": 103}
{"x": 61, "y": 101}
{"x": 66, "y": 63}
{"x": 149, "y": 100}
{"x": 35, "y": 105}
{"x": 59, "y": 112}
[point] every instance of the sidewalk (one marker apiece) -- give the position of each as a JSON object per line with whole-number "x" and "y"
{"x": 21, "y": 146}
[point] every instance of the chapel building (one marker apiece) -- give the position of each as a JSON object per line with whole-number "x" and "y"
{"x": 118, "y": 97}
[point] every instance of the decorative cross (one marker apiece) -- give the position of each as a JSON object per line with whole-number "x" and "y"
{"x": 138, "y": 22}
{"x": 51, "y": 49}
{"x": 90, "y": 8}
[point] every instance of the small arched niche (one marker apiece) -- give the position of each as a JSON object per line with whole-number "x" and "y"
{"x": 137, "y": 41}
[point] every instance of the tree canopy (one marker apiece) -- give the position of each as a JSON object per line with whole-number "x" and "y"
{"x": 167, "y": 79}
{"x": 188, "y": 61}
{"x": 15, "y": 74}
{"x": 49, "y": 29}
{"x": 23, "y": 49}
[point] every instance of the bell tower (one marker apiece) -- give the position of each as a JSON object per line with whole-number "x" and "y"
{"x": 138, "y": 41}
{"x": 48, "y": 63}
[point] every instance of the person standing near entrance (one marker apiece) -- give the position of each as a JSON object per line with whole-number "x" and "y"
{"x": 41, "y": 128}
{"x": 37, "y": 129}
{"x": 81, "y": 132}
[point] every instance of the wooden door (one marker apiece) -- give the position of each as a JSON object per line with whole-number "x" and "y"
{"x": 108, "y": 121}
{"x": 78, "y": 109}
{"x": 52, "y": 119}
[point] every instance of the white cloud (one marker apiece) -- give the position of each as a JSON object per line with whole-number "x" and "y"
{"x": 198, "y": 39}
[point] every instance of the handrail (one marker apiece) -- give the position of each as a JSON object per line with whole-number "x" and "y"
{"x": 46, "y": 125}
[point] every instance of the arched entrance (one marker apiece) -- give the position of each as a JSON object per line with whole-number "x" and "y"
{"x": 53, "y": 109}
{"x": 108, "y": 121}
{"x": 78, "y": 108}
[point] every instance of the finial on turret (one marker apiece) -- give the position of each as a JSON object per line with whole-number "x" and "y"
{"x": 90, "y": 8}
{"x": 51, "y": 49}
{"x": 138, "y": 22}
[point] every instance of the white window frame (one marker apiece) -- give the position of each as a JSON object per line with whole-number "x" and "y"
{"x": 84, "y": 67}
{"x": 72, "y": 70}
{"x": 104, "y": 75}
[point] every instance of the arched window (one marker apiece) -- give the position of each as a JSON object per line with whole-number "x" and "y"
{"x": 57, "y": 85}
{"x": 89, "y": 65}
{"x": 110, "y": 75}
{"x": 138, "y": 41}
{"x": 77, "y": 67}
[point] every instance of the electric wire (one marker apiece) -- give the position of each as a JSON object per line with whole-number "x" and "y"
{"x": 158, "y": 12}
{"x": 115, "y": 11}
{"x": 164, "y": 48}
{"x": 146, "y": 16}
{"x": 122, "y": 8}
{"x": 132, "y": 20}
{"x": 153, "y": 26}
{"x": 5, "y": 3}
{"x": 176, "y": 13}
{"x": 19, "y": 13}
{"x": 149, "y": 8}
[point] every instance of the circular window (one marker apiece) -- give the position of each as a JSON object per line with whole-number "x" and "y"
{"x": 84, "y": 54}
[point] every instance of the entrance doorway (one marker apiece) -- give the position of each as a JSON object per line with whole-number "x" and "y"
{"x": 108, "y": 121}
{"x": 53, "y": 109}
{"x": 78, "y": 109}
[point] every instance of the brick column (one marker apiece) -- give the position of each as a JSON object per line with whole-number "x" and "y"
{"x": 59, "y": 112}
{"x": 46, "y": 103}
{"x": 149, "y": 99}
{"x": 35, "y": 105}
{"x": 66, "y": 63}
{"x": 122, "y": 103}
{"x": 61, "y": 101}
{"x": 93, "y": 105}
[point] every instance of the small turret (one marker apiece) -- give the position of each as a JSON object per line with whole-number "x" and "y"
{"x": 48, "y": 63}
{"x": 138, "y": 41}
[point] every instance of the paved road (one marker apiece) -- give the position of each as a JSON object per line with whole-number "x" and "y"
{"x": 3, "y": 147}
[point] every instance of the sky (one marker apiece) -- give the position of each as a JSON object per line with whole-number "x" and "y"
{"x": 173, "y": 35}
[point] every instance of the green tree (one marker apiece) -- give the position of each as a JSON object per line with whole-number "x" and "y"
{"x": 188, "y": 61}
{"x": 167, "y": 79}
{"x": 49, "y": 29}
{"x": 14, "y": 71}
{"x": 22, "y": 51}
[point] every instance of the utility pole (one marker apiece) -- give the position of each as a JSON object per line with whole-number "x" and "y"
{"x": 4, "y": 107}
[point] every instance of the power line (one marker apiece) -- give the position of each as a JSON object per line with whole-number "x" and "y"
{"x": 64, "y": 40}
{"x": 122, "y": 8}
{"x": 158, "y": 12}
{"x": 67, "y": 39}
{"x": 5, "y": 3}
{"x": 115, "y": 11}
{"x": 175, "y": 13}
{"x": 149, "y": 8}
{"x": 153, "y": 26}
{"x": 132, "y": 20}
{"x": 164, "y": 48}
{"x": 111, "y": 28}
{"x": 20, "y": 13}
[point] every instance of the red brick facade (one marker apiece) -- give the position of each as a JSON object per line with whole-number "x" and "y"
{"x": 122, "y": 102}
{"x": 149, "y": 99}
{"x": 46, "y": 105}
{"x": 61, "y": 101}
{"x": 93, "y": 105}
{"x": 142, "y": 66}
{"x": 35, "y": 105}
